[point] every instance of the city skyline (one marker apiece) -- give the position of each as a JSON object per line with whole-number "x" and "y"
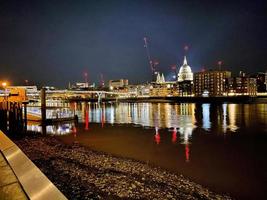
{"x": 54, "y": 43}
{"x": 133, "y": 99}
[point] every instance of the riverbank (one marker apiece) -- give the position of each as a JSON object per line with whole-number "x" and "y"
{"x": 180, "y": 99}
{"x": 187, "y": 99}
{"x": 81, "y": 173}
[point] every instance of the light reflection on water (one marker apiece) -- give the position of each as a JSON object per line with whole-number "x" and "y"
{"x": 184, "y": 117}
{"x": 144, "y": 114}
{"x": 222, "y": 146}
{"x": 59, "y": 129}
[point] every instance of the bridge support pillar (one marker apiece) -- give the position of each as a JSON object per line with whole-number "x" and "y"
{"x": 99, "y": 97}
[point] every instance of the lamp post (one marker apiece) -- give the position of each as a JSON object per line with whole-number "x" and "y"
{"x": 4, "y": 84}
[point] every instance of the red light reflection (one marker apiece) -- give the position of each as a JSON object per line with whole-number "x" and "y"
{"x": 74, "y": 132}
{"x": 102, "y": 118}
{"x": 86, "y": 117}
{"x": 187, "y": 153}
{"x": 174, "y": 136}
{"x": 157, "y": 136}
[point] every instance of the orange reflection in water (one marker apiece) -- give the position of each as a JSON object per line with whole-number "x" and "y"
{"x": 74, "y": 132}
{"x": 86, "y": 120}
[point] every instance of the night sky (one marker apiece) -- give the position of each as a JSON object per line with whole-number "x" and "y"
{"x": 55, "y": 42}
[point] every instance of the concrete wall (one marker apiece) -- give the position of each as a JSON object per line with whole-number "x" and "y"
{"x": 35, "y": 184}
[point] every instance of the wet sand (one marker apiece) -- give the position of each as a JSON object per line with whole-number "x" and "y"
{"x": 231, "y": 163}
{"x": 82, "y": 173}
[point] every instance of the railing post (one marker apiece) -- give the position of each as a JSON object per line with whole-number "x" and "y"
{"x": 21, "y": 124}
{"x": 25, "y": 116}
{"x": 43, "y": 110}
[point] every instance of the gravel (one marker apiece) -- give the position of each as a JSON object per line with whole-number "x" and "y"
{"x": 81, "y": 173}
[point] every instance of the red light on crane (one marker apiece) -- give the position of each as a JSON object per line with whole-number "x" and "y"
{"x": 220, "y": 64}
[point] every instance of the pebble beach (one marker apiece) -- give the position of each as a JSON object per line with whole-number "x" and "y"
{"x": 82, "y": 173}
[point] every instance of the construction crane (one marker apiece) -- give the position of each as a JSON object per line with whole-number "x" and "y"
{"x": 174, "y": 70}
{"x": 220, "y": 64}
{"x": 85, "y": 75}
{"x": 152, "y": 63}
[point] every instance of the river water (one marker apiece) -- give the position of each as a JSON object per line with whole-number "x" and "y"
{"x": 221, "y": 146}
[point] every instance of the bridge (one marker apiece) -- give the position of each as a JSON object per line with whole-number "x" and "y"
{"x": 77, "y": 94}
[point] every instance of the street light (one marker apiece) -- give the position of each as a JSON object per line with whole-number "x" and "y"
{"x": 4, "y": 84}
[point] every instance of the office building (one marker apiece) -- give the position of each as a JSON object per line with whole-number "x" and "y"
{"x": 210, "y": 83}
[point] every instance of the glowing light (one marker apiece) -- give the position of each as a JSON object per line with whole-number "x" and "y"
{"x": 205, "y": 93}
{"x": 4, "y": 84}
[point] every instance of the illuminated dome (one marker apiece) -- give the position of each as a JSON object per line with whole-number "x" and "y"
{"x": 185, "y": 72}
